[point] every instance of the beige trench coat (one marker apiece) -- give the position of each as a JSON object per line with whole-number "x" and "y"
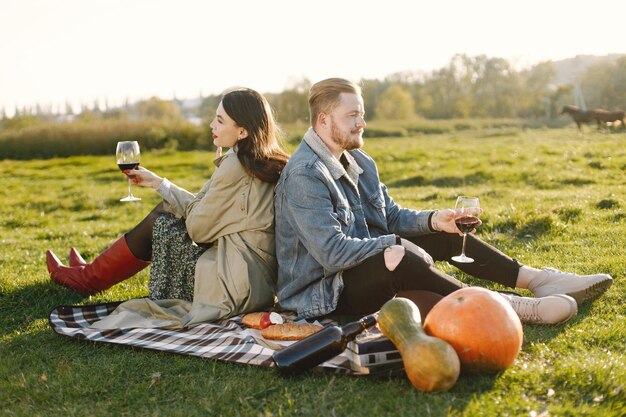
{"x": 235, "y": 213}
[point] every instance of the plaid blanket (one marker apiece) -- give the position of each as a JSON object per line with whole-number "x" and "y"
{"x": 225, "y": 340}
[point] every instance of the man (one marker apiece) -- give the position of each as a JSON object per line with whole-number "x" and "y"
{"x": 345, "y": 247}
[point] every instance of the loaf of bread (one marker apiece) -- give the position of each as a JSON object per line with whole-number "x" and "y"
{"x": 290, "y": 331}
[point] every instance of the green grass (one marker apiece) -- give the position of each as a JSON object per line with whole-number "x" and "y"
{"x": 551, "y": 197}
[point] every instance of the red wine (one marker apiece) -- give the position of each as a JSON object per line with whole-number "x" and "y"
{"x": 467, "y": 223}
{"x": 125, "y": 167}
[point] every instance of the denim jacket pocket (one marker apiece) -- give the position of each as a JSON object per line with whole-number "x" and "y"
{"x": 378, "y": 204}
{"x": 345, "y": 217}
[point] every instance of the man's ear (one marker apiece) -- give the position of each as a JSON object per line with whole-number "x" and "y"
{"x": 322, "y": 119}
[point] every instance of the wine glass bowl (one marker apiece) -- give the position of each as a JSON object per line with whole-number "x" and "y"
{"x": 128, "y": 156}
{"x": 467, "y": 211}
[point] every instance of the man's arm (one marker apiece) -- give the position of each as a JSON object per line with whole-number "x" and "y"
{"x": 403, "y": 221}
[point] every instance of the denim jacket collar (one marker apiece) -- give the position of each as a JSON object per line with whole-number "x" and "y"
{"x": 334, "y": 166}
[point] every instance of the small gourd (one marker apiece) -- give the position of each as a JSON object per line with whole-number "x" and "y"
{"x": 430, "y": 363}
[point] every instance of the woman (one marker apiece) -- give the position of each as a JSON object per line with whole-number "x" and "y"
{"x": 216, "y": 248}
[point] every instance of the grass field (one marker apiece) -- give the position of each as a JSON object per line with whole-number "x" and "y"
{"x": 551, "y": 197}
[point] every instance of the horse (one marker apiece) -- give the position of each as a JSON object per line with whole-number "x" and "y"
{"x": 579, "y": 116}
{"x": 604, "y": 117}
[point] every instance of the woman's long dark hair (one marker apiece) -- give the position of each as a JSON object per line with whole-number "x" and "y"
{"x": 260, "y": 152}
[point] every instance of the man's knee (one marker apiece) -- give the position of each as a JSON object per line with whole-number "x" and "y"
{"x": 393, "y": 256}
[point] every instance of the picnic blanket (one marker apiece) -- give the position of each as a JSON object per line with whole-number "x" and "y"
{"x": 224, "y": 340}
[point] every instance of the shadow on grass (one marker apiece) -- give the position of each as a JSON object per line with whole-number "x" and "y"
{"x": 478, "y": 177}
{"x": 577, "y": 181}
{"x": 467, "y": 388}
{"x": 525, "y": 229}
{"x": 21, "y": 307}
{"x": 537, "y": 333}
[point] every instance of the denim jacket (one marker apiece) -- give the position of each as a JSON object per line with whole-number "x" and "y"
{"x": 329, "y": 219}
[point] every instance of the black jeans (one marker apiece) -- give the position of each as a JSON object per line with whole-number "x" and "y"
{"x": 369, "y": 285}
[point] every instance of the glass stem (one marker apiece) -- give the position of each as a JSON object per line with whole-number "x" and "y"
{"x": 463, "y": 248}
{"x": 131, "y": 194}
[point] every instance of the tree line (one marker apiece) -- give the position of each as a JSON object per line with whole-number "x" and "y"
{"x": 468, "y": 87}
{"x": 476, "y": 87}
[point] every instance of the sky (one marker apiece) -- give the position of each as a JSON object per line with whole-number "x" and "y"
{"x": 54, "y": 52}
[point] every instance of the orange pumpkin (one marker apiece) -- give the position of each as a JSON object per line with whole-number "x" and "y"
{"x": 481, "y": 326}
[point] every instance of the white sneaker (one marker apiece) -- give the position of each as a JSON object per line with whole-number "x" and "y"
{"x": 552, "y": 309}
{"x": 581, "y": 287}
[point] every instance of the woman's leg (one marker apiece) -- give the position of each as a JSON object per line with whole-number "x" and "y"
{"x": 128, "y": 255}
{"x": 139, "y": 239}
{"x": 174, "y": 260}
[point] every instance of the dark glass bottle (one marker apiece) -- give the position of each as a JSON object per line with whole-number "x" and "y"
{"x": 319, "y": 347}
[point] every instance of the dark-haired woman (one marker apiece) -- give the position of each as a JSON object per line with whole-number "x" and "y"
{"x": 215, "y": 249}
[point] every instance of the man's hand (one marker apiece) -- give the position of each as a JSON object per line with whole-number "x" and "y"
{"x": 443, "y": 220}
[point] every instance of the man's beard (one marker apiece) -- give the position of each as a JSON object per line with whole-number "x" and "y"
{"x": 347, "y": 141}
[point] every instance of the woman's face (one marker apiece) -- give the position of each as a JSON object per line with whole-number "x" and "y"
{"x": 226, "y": 133}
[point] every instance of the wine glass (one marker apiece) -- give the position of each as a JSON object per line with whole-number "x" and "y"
{"x": 127, "y": 154}
{"x": 467, "y": 211}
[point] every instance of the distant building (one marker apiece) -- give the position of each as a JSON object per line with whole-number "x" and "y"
{"x": 189, "y": 109}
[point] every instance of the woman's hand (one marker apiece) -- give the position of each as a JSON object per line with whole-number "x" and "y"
{"x": 443, "y": 220}
{"x": 143, "y": 177}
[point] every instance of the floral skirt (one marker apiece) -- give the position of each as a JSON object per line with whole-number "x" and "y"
{"x": 174, "y": 257}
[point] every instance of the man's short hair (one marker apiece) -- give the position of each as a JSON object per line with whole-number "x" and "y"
{"x": 324, "y": 95}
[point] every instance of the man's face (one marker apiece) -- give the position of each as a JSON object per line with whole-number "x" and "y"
{"x": 347, "y": 122}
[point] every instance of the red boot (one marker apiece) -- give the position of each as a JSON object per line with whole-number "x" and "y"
{"x": 75, "y": 258}
{"x": 110, "y": 267}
